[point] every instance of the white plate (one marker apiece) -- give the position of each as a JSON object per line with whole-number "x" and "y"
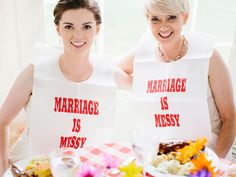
{"x": 211, "y": 155}
{"x": 20, "y": 164}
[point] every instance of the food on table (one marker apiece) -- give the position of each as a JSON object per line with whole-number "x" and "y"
{"x": 38, "y": 167}
{"x": 175, "y": 157}
{"x": 171, "y": 146}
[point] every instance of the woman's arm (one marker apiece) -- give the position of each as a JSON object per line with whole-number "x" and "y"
{"x": 124, "y": 72}
{"x": 222, "y": 90}
{"x": 17, "y": 98}
{"x": 123, "y": 80}
{"x": 126, "y": 64}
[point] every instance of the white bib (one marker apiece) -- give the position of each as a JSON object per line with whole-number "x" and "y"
{"x": 68, "y": 114}
{"x": 170, "y": 99}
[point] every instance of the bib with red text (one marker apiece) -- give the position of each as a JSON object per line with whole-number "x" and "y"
{"x": 170, "y": 99}
{"x": 63, "y": 113}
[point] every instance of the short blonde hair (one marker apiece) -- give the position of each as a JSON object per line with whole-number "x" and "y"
{"x": 166, "y": 6}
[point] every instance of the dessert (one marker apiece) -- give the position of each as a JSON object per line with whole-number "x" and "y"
{"x": 38, "y": 167}
{"x": 171, "y": 146}
{"x": 181, "y": 157}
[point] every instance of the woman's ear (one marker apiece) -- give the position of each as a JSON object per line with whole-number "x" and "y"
{"x": 98, "y": 26}
{"x": 58, "y": 30}
{"x": 185, "y": 16}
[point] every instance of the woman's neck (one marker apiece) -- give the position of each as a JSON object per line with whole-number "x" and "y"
{"x": 173, "y": 51}
{"x": 76, "y": 68}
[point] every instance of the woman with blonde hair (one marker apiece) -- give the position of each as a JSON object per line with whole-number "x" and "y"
{"x": 176, "y": 71}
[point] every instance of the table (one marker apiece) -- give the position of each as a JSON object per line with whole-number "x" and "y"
{"x": 93, "y": 156}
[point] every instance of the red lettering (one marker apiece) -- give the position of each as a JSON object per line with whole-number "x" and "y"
{"x": 96, "y": 110}
{"x": 85, "y": 109}
{"x": 72, "y": 142}
{"x": 63, "y": 142}
{"x": 166, "y": 120}
{"x": 159, "y": 86}
{"x": 76, "y": 125}
{"x": 172, "y": 87}
{"x": 70, "y": 105}
{"x": 183, "y": 85}
{"x": 76, "y": 106}
{"x": 157, "y": 120}
{"x": 178, "y": 85}
{"x": 57, "y": 107}
{"x": 149, "y": 86}
{"x": 90, "y": 107}
{"x": 64, "y": 105}
{"x": 164, "y": 103}
{"x": 166, "y": 85}
{"x": 176, "y": 117}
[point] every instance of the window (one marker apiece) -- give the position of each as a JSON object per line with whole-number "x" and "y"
{"x": 124, "y": 23}
{"x": 217, "y": 17}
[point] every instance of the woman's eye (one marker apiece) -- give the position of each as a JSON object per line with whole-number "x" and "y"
{"x": 155, "y": 19}
{"x": 172, "y": 18}
{"x": 87, "y": 27}
{"x": 68, "y": 27}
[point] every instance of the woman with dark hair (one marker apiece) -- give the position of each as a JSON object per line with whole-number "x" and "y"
{"x": 69, "y": 96}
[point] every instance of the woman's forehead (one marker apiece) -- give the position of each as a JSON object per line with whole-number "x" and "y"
{"x": 161, "y": 14}
{"x": 78, "y": 14}
{"x": 163, "y": 10}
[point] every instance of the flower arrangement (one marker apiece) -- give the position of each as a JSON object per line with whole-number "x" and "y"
{"x": 110, "y": 161}
{"x": 202, "y": 167}
{"x": 185, "y": 154}
{"x": 88, "y": 171}
{"x": 131, "y": 170}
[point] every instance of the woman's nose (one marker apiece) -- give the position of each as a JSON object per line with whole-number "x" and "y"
{"x": 164, "y": 27}
{"x": 77, "y": 33}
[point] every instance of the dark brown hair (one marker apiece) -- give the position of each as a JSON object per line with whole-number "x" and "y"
{"x": 64, "y": 5}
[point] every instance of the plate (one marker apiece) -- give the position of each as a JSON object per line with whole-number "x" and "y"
{"x": 211, "y": 155}
{"x": 20, "y": 164}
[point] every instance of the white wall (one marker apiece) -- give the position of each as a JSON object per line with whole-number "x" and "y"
{"x": 232, "y": 61}
{"x": 22, "y": 24}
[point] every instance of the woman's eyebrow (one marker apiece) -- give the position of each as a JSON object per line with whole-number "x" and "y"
{"x": 87, "y": 23}
{"x": 67, "y": 23}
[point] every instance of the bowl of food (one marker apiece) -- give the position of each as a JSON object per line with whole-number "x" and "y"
{"x": 179, "y": 158}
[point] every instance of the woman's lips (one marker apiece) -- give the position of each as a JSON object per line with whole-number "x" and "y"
{"x": 78, "y": 44}
{"x": 165, "y": 35}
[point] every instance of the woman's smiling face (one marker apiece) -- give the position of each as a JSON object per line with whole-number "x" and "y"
{"x": 77, "y": 29}
{"x": 166, "y": 27}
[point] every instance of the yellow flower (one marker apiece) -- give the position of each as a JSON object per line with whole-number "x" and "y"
{"x": 186, "y": 153}
{"x": 131, "y": 170}
{"x": 200, "y": 163}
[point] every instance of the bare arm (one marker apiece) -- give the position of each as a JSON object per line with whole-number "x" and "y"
{"x": 17, "y": 98}
{"x": 124, "y": 72}
{"x": 126, "y": 64}
{"x": 221, "y": 86}
{"x": 123, "y": 80}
